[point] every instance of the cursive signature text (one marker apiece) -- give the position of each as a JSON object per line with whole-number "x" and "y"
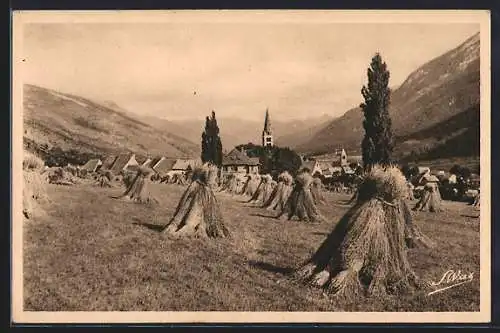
{"x": 451, "y": 279}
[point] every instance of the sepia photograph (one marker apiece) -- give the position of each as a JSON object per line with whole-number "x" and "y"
{"x": 251, "y": 166}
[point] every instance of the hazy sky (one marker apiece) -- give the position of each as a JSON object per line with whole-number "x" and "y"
{"x": 184, "y": 70}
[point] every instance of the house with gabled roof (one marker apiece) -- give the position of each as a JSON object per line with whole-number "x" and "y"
{"x": 237, "y": 161}
{"x": 122, "y": 162}
{"x": 153, "y": 161}
{"x": 180, "y": 165}
{"x": 147, "y": 162}
{"x": 186, "y": 164}
{"x": 92, "y": 165}
{"x": 313, "y": 166}
{"x": 107, "y": 163}
{"x": 141, "y": 159}
{"x": 164, "y": 165}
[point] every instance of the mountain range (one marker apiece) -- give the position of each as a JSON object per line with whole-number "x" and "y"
{"x": 72, "y": 122}
{"x": 435, "y": 113}
{"x": 432, "y": 111}
{"x": 235, "y": 131}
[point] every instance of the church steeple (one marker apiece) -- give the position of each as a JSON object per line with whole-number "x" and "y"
{"x": 267, "y": 133}
{"x": 267, "y": 123}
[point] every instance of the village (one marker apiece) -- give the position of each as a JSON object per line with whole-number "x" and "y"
{"x": 338, "y": 172}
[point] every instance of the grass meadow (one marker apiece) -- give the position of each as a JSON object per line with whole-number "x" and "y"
{"x": 89, "y": 252}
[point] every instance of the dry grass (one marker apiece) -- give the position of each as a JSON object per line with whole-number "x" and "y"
{"x": 93, "y": 253}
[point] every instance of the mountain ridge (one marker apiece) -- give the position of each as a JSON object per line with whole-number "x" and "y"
{"x": 434, "y": 93}
{"x": 73, "y": 122}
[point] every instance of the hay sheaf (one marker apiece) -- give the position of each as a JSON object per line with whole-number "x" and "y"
{"x": 104, "y": 179}
{"x": 281, "y": 193}
{"x": 198, "y": 212}
{"x": 60, "y": 176}
{"x": 34, "y": 187}
{"x": 138, "y": 189}
{"x": 430, "y": 200}
{"x": 263, "y": 191}
{"x": 251, "y": 185}
{"x": 231, "y": 185}
{"x": 32, "y": 162}
{"x": 178, "y": 179}
{"x": 300, "y": 203}
{"x": 317, "y": 191}
{"x": 366, "y": 251}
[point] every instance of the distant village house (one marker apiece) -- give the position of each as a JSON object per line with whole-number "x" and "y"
{"x": 237, "y": 161}
{"x": 120, "y": 163}
{"x": 338, "y": 165}
{"x": 92, "y": 165}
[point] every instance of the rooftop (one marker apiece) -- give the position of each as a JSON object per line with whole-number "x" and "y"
{"x": 236, "y": 157}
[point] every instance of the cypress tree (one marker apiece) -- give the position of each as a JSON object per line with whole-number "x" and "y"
{"x": 211, "y": 144}
{"x": 205, "y": 142}
{"x": 377, "y": 144}
{"x": 216, "y": 143}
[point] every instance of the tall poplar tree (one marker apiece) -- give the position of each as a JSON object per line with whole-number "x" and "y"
{"x": 378, "y": 144}
{"x": 211, "y": 144}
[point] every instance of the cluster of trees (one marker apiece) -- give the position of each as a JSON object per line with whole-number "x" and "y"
{"x": 461, "y": 171}
{"x": 59, "y": 157}
{"x": 56, "y": 156}
{"x": 273, "y": 160}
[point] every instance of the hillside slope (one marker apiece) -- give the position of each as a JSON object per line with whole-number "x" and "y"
{"x": 430, "y": 97}
{"x": 298, "y": 134}
{"x": 72, "y": 122}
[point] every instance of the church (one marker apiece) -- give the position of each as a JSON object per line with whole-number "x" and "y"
{"x": 237, "y": 161}
{"x": 267, "y": 133}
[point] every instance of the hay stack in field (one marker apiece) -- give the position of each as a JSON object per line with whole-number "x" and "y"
{"x": 165, "y": 179}
{"x": 476, "y": 202}
{"x": 155, "y": 177}
{"x": 59, "y": 176}
{"x": 241, "y": 184}
{"x": 300, "y": 203}
{"x": 431, "y": 198}
{"x": 232, "y": 185}
{"x": 251, "y": 185}
{"x": 127, "y": 178}
{"x": 104, "y": 178}
{"x": 367, "y": 250}
{"x": 198, "y": 212}
{"x": 317, "y": 191}
{"x": 264, "y": 190}
{"x": 411, "y": 196}
{"x": 280, "y": 193}
{"x": 138, "y": 189}
{"x": 178, "y": 179}
{"x": 226, "y": 179}
{"x": 34, "y": 191}
{"x": 81, "y": 173}
{"x": 213, "y": 177}
{"x": 72, "y": 170}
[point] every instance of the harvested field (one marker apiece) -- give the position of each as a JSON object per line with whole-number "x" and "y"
{"x": 90, "y": 252}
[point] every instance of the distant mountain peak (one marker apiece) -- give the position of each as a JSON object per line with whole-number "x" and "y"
{"x": 433, "y": 95}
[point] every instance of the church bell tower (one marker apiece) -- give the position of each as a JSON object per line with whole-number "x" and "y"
{"x": 267, "y": 135}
